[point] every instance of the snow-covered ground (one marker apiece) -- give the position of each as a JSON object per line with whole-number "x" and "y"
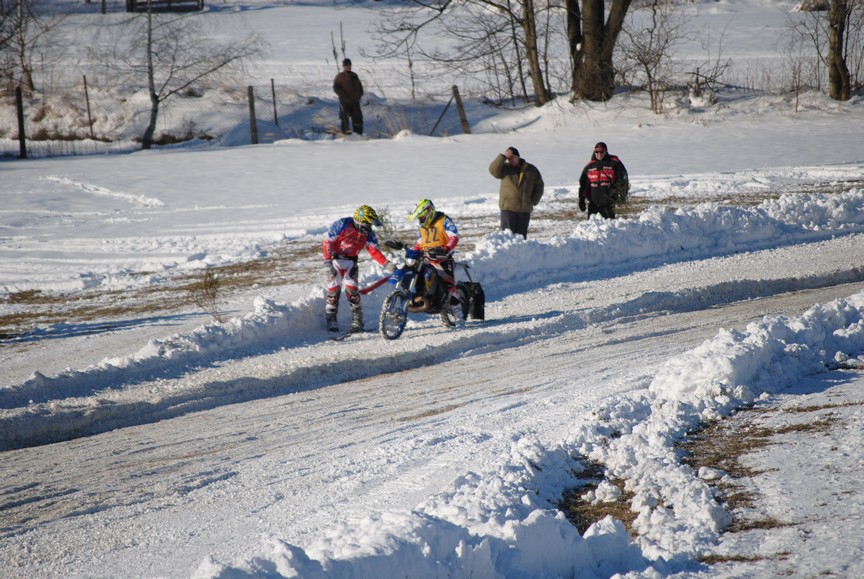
{"x": 160, "y": 443}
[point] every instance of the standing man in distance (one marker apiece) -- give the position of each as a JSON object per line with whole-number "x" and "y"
{"x": 520, "y": 191}
{"x": 349, "y": 89}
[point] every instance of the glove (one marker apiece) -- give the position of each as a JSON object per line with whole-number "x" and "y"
{"x": 329, "y": 270}
{"x": 581, "y": 205}
{"x": 438, "y": 253}
{"x": 390, "y": 267}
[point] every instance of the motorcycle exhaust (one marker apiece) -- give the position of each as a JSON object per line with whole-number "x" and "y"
{"x": 418, "y": 304}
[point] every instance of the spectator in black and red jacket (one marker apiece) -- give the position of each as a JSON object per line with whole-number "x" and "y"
{"x": 603, "y": 183}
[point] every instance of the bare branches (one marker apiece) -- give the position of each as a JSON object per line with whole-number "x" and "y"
{"x": 495, "y": 42}
{"x": 837, "y": 41}
{"x": 649, "y": 39}
{"x": 205, "y": 294}
{"x": 30, "y": 32}
{"x": 170, "y": 53}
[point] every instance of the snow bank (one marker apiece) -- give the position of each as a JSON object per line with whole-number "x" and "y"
{"x": 658, "y": 236}
{"x": 677, "y": 511}
{"x": 503, "y": 523}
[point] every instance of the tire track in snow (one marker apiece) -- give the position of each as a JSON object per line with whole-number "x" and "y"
{"x": 140, "y": 200}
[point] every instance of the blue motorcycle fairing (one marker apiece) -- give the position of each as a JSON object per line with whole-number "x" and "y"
{"x": 413, "y": 253}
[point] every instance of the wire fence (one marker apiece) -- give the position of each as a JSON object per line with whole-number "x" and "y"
{"x": 88, "y": 118}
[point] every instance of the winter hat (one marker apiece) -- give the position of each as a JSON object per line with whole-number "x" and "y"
{"x": 346, "y": 62}
{"x": 514, "y": 150}
{"x": 601, "y": 145}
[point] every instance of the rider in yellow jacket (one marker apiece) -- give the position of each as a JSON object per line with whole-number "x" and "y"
{"x": 438, "y": 238}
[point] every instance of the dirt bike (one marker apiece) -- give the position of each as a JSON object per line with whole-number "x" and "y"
{"x": 419, "y": 289}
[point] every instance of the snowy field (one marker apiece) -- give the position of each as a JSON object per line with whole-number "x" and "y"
{"x": 160, "y": 443}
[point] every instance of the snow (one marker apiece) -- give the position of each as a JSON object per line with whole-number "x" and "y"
{"x": 173, "y": 445}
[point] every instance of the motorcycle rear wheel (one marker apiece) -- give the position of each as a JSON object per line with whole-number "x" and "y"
{"x": 394, "y": 315}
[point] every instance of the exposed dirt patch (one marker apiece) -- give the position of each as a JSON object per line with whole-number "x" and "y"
{"x": 719, "y": 445}
{"x": 722, "y": 445}
{"x": 583, "y": 513}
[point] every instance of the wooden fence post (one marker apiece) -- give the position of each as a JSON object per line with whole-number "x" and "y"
{"x": 253, "y": 124}
{"x": 22, "y": 138}
{"x": 87, "y": 101}
{"x": 273, "y": 93}
{"x": 465, "y": 127}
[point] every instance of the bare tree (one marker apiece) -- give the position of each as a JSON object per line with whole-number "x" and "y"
{"x": 171, "y": 53}
{"x": 809, "y": 28}
{"x": 29, "y": 29}
{"x": 492, "y": 37}
{"x": 649, "y": 37}
{"x": 838, "y": 41}
{"x": 801, "y": 65}
{"x": 6, "y": 28}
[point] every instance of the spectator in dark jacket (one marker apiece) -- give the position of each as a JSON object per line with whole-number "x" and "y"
{"x": 603, "y": 183}
{"x": 349, "y": 89}
{"x": 521, "y": 189}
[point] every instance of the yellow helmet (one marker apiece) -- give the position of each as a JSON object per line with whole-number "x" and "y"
{"x": 424, "y": 212}
{"x": 365, "y": 217}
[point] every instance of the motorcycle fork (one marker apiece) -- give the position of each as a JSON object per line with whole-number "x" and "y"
{"x": 412, "y": 288}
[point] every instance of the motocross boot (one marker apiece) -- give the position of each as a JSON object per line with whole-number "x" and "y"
{"x": 452, "y": 304}
{"x": 356, "y": 318}
{"x": 332, "y": 325}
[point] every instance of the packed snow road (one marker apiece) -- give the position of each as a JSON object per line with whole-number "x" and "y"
{"x": 374, "y": 423}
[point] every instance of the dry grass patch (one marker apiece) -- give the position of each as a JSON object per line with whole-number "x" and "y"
{"x": 715, "y": 559}
{"x": 805, "y": 409}
{"x": 26, "y": 297}
{"x": 722, "y": 445}
{"x": 582, "y": 514}
{"x": 33, "y": 308}
{"x": 430, "y": 413}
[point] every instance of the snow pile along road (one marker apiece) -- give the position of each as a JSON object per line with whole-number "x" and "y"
{"x": 502, "y": 524}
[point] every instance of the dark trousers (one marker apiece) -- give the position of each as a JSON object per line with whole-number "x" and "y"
{"x": 351, "y": 111}
{"x": 515, "y": 222}
{"x": 605, "y": 211}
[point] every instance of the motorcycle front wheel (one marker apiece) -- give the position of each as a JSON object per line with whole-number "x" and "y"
{"x": 394, "y": 315}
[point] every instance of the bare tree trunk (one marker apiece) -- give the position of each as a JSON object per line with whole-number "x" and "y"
{"x": 574, "y": 40}
{"x": 593, "y": 73}
{"x": 529, "y": 26}
{"x": 147, "y": 139}
{"x": 23, "y": 64}
{"x": 588, "y": 80}
{"x": 839, "y": 86}
{"x": 519, "y": 74}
